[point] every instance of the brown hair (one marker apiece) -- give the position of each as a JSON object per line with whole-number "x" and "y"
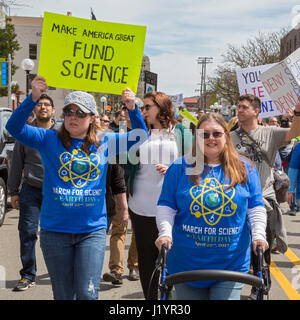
{"x": 255, "y": 101}
{"x": 90, "y": 139}
{"x": 231, "y": 162}
{"x": 164, "y": 103}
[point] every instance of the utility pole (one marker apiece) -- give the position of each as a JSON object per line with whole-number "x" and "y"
{"x": 8, "y": 4}
{"x": 203, "y": 61}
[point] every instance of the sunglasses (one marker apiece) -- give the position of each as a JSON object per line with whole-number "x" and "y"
{"x": 105, "y": 121}
{"x": 215, "y": 134}
{"x": 78, "y": 113}
{"x": 46, "y": 104}
{"x": 147, "y": 107}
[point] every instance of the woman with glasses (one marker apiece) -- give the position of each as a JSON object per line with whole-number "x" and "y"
{"x": 73, "y": 214}
{"x": 166, "y": 143}
{"x": 208, "y": 207}
{"x": 104, "y": 119}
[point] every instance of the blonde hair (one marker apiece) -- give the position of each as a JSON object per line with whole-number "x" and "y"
{"x": 231, "y": 162}
{"x": 232, "y": 122}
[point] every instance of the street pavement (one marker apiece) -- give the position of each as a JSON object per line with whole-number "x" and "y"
{"x": 285, "y": 268}
{"x": 10, "y": 265}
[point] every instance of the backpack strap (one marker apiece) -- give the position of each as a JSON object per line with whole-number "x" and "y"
{"x": 242, "y": 133}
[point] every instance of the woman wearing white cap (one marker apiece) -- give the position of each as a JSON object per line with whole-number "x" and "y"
{"x": 73, "y": 214}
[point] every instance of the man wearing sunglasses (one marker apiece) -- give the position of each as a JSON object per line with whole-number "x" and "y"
{"x": 105, "y": 121}
{"x": 260, "y": 144}
{"x": 26, "y": 196}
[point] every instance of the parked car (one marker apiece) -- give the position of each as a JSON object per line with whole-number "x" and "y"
{"x": 7, "y": 143}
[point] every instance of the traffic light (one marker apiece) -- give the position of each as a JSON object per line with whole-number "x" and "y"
{"x": 4, "y": 74}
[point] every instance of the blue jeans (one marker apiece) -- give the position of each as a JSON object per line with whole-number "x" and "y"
{"x": 74, "y": 263}
{"x": 294, "y": 205}
{"x": 30, "y": 205}
{"x": 225, "y": 290}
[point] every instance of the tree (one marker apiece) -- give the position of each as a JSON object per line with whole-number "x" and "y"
{"x": 8, "y": 45}
{"x": 260, "y": 50}
{"x": 224, "y": 84}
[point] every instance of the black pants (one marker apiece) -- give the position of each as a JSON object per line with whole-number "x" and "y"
{"x": 146, "y": 233}
{"x": 30, "y": 205}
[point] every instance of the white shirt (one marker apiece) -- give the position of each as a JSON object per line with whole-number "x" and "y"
{"x": 160, "y": 148}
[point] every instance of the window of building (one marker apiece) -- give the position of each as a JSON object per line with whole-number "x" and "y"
{"x": 33, "y": 51}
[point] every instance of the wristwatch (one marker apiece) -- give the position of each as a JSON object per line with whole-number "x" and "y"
{"x": 296, "y": 113}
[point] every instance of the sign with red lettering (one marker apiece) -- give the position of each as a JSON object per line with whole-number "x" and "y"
{"x": 249, "y": 83}
{"x": 282, "y": 82}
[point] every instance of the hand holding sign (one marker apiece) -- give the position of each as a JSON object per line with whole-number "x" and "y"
{"x": 128, "y": 98}
{"x": 39, "y": 86}
{"x": 282, "y": 82}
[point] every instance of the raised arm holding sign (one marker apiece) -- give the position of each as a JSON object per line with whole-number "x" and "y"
{"x": 75, "y": 160}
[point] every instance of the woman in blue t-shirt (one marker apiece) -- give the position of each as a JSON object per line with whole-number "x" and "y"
{"x": 208, "y": 206}
{"x": 73, "y": 214}
{"x": 294, "y": 176}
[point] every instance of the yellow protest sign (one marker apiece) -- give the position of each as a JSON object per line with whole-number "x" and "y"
{"x": 188, "y": 116}
{"x": 90, "y": 55}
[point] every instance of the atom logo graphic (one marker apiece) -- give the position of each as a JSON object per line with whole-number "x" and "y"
{"x": 78, "y": 167}
{"x": 212, "y": 202}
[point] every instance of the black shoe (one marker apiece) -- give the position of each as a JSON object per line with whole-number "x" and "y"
{"x": 119, "y": 280}
{"x": 113, "y": 277}
{"x": 133, "y": 275}
{"x": 24, "y": 284}
{"x": 109, "y": 277}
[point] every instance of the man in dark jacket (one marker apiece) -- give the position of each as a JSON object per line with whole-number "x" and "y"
{"x": 119, "y": 116}
{"x": 25, "y": 183}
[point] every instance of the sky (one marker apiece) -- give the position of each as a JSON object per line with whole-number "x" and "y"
{"x": 178, "y": 32}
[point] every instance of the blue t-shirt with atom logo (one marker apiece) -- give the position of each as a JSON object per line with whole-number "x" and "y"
{"x": 210, "y": 229}
{"x": 74, "y": 181}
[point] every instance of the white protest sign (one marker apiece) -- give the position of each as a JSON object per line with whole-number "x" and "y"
{"x": 282, "y": 82}
{"x": 249, "y": 82}
{"x": 177, "y": 101}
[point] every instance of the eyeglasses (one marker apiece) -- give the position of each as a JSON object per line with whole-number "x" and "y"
{"x": 46, "y": 104}
{"x": 105, "y": 121}
{"x": 215, "y": 134}
{"x": 78, "y": 113}
{"x": 147, "y": 107}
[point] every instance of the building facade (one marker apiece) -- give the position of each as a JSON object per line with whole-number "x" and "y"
{"x": 289, "y": 43}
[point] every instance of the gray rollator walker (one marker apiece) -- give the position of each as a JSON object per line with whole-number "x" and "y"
{"x": 260, "y": 281}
